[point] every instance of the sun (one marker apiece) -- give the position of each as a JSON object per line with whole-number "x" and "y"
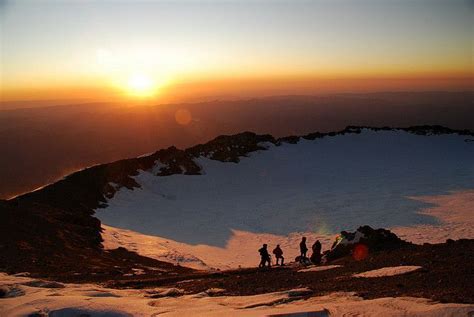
{"x": 141, "y": 85}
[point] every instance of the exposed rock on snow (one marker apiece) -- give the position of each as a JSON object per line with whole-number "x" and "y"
{"x": 319, "y": 313}
{"x": 300, "y": 292}
{"x": 282, "y": 298}
{"x": 7, "y": 291}
{"x": 389, "y": 271}
{"x": 99, "y": 293}
{"x": 214, "y": 291}
{"x": 66, "y": 312}
{"x": 210, "y": 292}
{"x": 170, "y": 292}
{"x": 44, "y": 284}
{"x": 366, "y": 237}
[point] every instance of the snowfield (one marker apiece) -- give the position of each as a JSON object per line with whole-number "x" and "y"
{"x": 419, "y": 186}
{"x": 389, "y": 271}
{"x": 454, "y": 211}
{"x": 71, "y": 300}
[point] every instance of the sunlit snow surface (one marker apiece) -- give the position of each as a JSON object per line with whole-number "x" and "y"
{"x": 323, "y": 186}
{"x": 98, "y": 301}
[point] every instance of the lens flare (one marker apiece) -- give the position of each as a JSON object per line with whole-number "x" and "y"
{"x": 183, "y": 116}
{"x": 360, "y": 252}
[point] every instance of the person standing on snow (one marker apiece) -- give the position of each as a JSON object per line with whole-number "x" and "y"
{"x": 316, "y": 256}
{"x": 303, "y": 248}
{"x": 278, "y": 254}
{"x": 265, "y": 256}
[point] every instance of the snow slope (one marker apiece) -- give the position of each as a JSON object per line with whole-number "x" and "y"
{"x": 95, "y": 301}
{"x": 388, "y": 271}
{"x": 453, "y": 210}
{"x": 316, "y": 187}
{"x": 240, "y": 250}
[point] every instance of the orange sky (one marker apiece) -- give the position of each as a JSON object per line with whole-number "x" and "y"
{"x": 174, "y": 51}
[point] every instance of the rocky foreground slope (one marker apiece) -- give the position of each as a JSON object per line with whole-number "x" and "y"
{"x": 445, "y": 275}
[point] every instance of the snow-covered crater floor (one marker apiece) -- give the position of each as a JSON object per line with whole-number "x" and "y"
{"x": 420, "y": 186}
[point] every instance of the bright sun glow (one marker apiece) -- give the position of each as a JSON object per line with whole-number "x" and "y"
{"x": 141, "y": 85}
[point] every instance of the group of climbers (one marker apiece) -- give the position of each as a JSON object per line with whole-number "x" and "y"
{"x": 302, "y": 258}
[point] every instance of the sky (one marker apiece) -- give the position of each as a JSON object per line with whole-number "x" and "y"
{"x": 171, "y": 49}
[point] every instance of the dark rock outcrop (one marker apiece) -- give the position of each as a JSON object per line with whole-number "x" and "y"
{"x": 229, "y": 148}
{"x": 49, "y": 241}
{"x": 365, "y": 239}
